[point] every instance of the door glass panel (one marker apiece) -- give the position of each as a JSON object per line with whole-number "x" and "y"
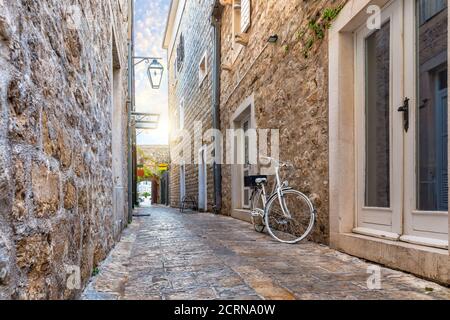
{"x": 432, "y": 133}
{"x": 378, "y": 118}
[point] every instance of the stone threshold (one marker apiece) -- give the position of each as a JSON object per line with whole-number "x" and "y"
{"x": 243, "y": 215}
{"x": 426, "y": 262}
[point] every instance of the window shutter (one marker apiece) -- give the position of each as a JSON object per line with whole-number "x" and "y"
{"x": 180, "y": 53}
{"x": 245, "y": 15}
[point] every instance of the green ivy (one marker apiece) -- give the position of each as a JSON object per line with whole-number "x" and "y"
{"x": 330, "y": 14}
{"x": 316, "y": 28}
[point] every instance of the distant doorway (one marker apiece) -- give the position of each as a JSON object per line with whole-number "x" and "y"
{"x": 202, "y": 181}
{"x": 243, "y": 143}
{"x": 182, "y": 183}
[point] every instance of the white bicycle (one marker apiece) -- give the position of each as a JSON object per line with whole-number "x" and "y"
{"x": 288, "y": 214}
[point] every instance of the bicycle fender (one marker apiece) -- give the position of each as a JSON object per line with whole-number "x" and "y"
{"x": 276, "y": 194}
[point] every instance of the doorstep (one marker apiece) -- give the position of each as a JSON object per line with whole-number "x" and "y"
{"x": 427, "y": 262}
{"x": 243, "y": 215}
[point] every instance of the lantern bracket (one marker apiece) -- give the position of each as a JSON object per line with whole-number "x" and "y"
{"x": 145, "y": 121}
{"x": 147, "y": 60}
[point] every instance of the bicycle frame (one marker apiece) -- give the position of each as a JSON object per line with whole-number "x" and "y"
{"x": 278, "y": 189}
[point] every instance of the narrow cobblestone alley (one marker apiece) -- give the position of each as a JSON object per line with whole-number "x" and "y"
{"x": 167, "y": 255}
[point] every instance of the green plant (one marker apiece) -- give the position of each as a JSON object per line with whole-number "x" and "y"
{"x": 95, "y": 272}
{"x": 146, "y": 195}
{"x": 299, "y": 34}
{"x": 308, "y": 45}
{"x": 150, "y": 166}
{"x": 317, "y": 28}
{"x": 330, "y": 14}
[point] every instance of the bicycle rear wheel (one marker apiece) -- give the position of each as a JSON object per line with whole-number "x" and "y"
{"x": 294, "y": 226}
{"x": 258, "y": 211}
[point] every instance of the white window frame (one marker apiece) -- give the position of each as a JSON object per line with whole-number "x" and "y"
{"x": 202, "y": 74}
{"x": 235, "y": 29}
{"x": 246, "y": 15}
{"x": 181, "y": 114}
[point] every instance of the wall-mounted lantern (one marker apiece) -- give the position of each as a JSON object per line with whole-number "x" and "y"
{"x": 273, "y": 39}
{"x": 155, "y": 73}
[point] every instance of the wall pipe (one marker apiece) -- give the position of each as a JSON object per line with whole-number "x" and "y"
{"x": 216, "y": 18}
{"x": 130, "y": 110}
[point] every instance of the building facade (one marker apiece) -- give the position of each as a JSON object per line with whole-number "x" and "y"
{"x": 361, "y": 112}
{"x": 277, "y": 86}
{"x": 189, "y": 43}
{"x": 63, "y": 143}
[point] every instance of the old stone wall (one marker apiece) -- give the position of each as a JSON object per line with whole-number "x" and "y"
{"x": 186, "y": 85}
{"x": 157, "y": 154}
{"x": 56, "y": 183}
{"x": 289, "y": 81}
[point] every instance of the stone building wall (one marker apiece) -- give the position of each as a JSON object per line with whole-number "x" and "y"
{"x": 56, "y": 183}
{"x": 289, "y": 81}
{"x": 159, "y": 154}
{"x": 196, "y": 29}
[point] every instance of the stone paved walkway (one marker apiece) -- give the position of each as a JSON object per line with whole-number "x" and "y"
{"x": 169, "y": 255}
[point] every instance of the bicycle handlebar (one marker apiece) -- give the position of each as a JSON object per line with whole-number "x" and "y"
{"x": 278, "y": 163}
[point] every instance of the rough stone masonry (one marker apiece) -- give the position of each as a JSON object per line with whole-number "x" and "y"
{"x": 56, "y": 108}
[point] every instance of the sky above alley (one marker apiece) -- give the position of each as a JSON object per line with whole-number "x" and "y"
{"x": 150, "y": 20}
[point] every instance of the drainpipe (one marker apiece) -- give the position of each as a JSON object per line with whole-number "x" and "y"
{"x": 130, "y": 109}
{"x": 216, "y": 18}
{"x": 133, "y": 126}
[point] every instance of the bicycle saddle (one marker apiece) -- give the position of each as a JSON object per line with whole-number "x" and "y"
{"x": 261, "y": 181}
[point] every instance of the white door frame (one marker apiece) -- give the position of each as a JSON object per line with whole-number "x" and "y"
{"x": 402, "y": 221}
{"x": 246, "y": 109}
{"x": 343, "y": 167}
{"x": 246, "y": 168}
{"x": 381, "y": 221}
{"x": 417, "y": 224}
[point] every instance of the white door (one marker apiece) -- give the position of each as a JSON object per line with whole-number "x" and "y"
{"x": 426, "y": 142}
{"x": 202, "y": 180}
{"x": 379, "y": 71}
{"x": 401, "y": 120}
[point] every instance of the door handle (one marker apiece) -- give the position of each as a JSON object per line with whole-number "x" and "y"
{"x": 405, "y": 110}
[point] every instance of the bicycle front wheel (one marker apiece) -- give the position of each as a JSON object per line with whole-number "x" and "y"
{"x": 291, "y": 218}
